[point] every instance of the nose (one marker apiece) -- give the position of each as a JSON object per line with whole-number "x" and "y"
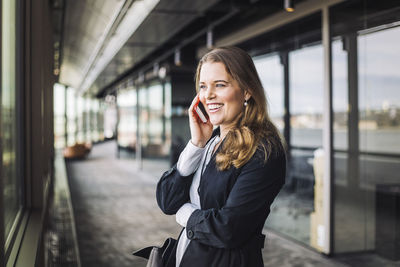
{"x": 209, "y": 94}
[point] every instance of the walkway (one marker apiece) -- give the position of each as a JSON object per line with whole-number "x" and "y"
{"x": 116, "y": 212}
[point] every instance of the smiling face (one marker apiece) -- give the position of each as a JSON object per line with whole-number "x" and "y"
{"x": 220, "y": 94}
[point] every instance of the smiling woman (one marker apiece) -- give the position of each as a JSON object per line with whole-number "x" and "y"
{"x": 225, "y": 180}
{"x": 228, "y": 84}
{"x": 222, "y": 95}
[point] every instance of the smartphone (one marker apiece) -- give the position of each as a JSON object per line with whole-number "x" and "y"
{"x": 201, "y": 111}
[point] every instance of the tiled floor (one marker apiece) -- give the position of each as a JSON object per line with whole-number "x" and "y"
{"x": 116, "y": 212}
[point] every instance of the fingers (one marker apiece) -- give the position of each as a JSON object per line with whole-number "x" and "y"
{"x": 191, "y": 111}
{"x": 194, "y": 101}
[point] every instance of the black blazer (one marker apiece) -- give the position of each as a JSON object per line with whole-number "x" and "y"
{"x": 235, "y": 203}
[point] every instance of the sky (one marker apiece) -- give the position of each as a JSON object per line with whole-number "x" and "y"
{"x": 379, "y": 75}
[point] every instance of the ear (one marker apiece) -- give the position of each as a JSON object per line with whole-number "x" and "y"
{"x": 247, "y": 95}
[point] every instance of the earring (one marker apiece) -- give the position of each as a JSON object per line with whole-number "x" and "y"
{"x": 245, "y": 103}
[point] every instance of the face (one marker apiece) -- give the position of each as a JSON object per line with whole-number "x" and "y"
{"x": 220, "y": 94}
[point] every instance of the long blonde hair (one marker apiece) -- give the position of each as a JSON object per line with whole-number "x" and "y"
{"x": 253, "y": 129}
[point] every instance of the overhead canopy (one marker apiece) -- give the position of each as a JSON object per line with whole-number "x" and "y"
{"x": 104, "y": 38}
{"x": 105, "y": 41}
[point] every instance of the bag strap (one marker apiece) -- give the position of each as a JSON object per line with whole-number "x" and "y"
{"x": 144, "y": 252}
{"x": 165, "y": 249}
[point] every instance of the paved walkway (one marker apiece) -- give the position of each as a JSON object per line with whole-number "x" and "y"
{"x": 116, "y": 212}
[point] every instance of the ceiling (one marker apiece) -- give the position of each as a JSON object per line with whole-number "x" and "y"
{"x": 101, "y": 42}
{"x": 90, "y": 25}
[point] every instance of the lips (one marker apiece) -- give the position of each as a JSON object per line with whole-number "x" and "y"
{"x": 214, "y": 107}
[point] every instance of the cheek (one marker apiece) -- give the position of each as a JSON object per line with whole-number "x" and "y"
{"x": 235, "y": 102}
{"x": 202, "y": 97}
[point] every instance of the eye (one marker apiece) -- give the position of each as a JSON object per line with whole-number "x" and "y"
{"x": 220, "y": 85}
{"x": 202, "y": 87}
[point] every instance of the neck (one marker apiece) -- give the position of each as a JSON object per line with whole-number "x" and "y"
{"x": 224, "y": 129}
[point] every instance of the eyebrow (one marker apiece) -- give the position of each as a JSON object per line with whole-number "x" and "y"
{"x": 218, "y": 81}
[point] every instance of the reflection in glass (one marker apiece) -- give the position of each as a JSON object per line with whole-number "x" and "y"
{"x": 340, "y": 104}
{"x": 59, "y": 116}
{"x": 9, "y": 117}
{"x": 155, "y": 146}
{"x": 86, "y": 119}
{"x": 298, "y": 211}
{"x": 379, "y": 132}
{"x": 100, "y": 120}
{"x": 94, "y": 107}
{"x": 290, "y": 212}
{"x": 167, "y": 115}
{"x": 340, "y": 95}
{"x": 366, "y": 172}
{"x": 80, "y": 137}
{"x": 71, "y": 116}
{"x": 109, "y": 116}
{"x": 270, "y": 71}
{"x": 127, "y": 123}
{"x": 306, "y": 96}
{"x": 143, "y": 117}
{"x": 379, "y": 79}
{"x": 348, "y": 204}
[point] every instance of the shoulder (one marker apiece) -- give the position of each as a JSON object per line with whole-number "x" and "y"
{"x": 270, "y": 150}
{"x": 268, "y": 159}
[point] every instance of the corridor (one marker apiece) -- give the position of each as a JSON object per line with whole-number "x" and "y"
{"x": 116, "y": 213}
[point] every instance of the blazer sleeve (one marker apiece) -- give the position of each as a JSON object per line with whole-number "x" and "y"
{"x": 173, "y": 191}
{"x": 246, "y": 208}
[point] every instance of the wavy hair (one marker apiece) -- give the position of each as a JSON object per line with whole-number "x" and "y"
{"x": 253, "y": 128}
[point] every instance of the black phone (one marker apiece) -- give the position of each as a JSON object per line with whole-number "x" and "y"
{"x": 201, "y": 112}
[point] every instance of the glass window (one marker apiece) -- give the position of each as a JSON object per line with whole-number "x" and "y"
{"x": 109, "y": 116}
{"x": 155, "y": 147}
{"x": 71, "y": 117}
{"x": 59, "y": 116}
{"x": 270, "y": 71}
{"x": 94, "y": 120}
{"x": 366, "y": 68}
{"x": 299, "y": 210}
{"x": 379, "y": 79}
{"x": 379, "y": 127}
{"x": 344, "y": 213}
{"x": 306, "y": 96}
{"x": 100, "y": 120}
{"x": 80, "y": 137}
{"x": 340, "y": 95}
{"x": 87, "y": 119}
{"x": 143, "y": 117}
{"x": 127, "y": 119}
{"x": 167, "y": 114}
{"x": 9, "y": 118}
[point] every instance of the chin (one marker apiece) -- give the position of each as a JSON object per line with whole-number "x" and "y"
{"x": 215, "y": 122}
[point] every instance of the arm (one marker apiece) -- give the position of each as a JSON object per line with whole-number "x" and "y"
{"x": 173, "y": 191}
{"x": 190, "y": 158}
{"x": 173, "y": 187}
{"x": 246, "y": 208}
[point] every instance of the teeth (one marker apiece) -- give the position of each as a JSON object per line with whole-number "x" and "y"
{"x": 214, "y": 106}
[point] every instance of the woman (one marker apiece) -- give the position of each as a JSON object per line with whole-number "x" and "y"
{"x": 225, "y": 180}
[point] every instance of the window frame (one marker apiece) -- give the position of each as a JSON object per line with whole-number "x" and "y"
{"x": 1, "y": 141}
{"x": 14, "y": 238}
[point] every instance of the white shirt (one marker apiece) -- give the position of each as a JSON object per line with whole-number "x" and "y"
{"x": 192, "y": 159}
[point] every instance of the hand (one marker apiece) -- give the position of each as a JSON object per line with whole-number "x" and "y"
{"x": 200, "y": 132}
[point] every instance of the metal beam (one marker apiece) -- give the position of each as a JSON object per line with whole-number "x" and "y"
{"x": 176, "y": 12}
{"x": 327, "y": 143}
{"x": 284, "y": 58}
{"x": 275, "y": 21}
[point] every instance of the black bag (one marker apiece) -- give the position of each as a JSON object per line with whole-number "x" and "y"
{"x": 157, "y": 256}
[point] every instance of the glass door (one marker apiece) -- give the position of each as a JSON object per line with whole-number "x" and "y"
{"x": 366, "y": 102}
